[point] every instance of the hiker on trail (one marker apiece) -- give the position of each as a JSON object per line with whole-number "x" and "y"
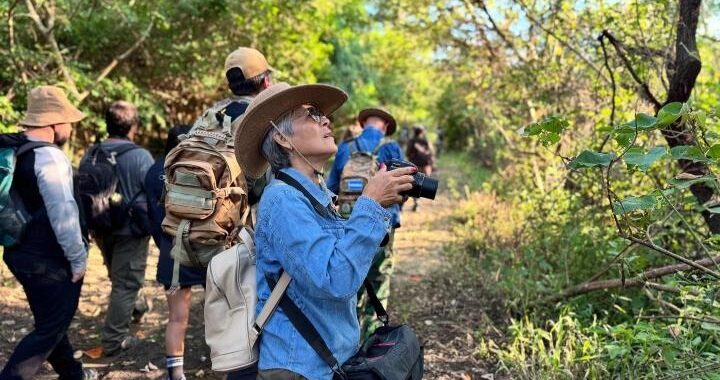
{"x": 50, "y": 258}
{"x": 124, "y": 242}
{"x": 420, "y": 152}
{"x": 328, "y": 257}
{"x": 248, "y": 73}
{"x": 204, "y": 163}
{"x": 378, "y": 125}
{"x": 178, "y": 302}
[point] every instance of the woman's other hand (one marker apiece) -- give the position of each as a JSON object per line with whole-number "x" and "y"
{"x": 385, "y": 186}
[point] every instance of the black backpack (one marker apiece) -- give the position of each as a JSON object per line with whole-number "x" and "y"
{"x": 98, "y": 184}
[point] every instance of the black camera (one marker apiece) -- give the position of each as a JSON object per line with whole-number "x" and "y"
{"x": 422, "y": 186}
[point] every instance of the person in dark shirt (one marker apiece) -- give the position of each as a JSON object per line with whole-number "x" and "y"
{"x": 124, "y": 250}
{"x": 50, "y": 258}
{"x": 179, "y": 301}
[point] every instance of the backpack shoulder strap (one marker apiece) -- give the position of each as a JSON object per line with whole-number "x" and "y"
{"x": 270, "y": 305}
{"x": 28, "y": 146}
{"x": 381, "y": 144}
{"x": 124, "y": 148}
{"x": 354, "y": 145}
{"x": 319, "y": 208}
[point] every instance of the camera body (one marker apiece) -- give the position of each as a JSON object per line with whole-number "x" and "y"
{"x": 423, "y": 186}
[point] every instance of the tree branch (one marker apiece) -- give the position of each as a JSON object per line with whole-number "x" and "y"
{"x": 637, "y": 281}
{"x": 116, "y": 61}
{"x": 645, "y": 92}
{"x": 45, "y": 27}
{"x": 562, "y": 42}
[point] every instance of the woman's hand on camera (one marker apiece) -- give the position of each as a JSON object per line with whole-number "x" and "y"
{"x": 385, "y": 186}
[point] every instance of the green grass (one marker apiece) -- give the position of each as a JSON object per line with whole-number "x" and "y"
{"x": 461, "y": 168}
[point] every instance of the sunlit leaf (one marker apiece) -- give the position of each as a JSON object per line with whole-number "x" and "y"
{"x": 637, "y": 157}
{"x": 687, "y": 152}
{"x": 669, "y": 114}
{"x": 589, "y": 159}
{"x": 631, "y": 204}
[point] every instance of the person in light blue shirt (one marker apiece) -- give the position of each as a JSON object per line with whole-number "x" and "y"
{"x": 327, "y": 256}
{"x": 378, "y": 125}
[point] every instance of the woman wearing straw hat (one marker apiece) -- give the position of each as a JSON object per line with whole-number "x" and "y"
{"x": 326, "y": 256}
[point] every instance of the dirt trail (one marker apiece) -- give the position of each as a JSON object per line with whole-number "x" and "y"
{"x": 448, "y": 306}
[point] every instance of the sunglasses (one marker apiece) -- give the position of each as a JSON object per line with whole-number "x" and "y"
{"x": 314, "y": 114}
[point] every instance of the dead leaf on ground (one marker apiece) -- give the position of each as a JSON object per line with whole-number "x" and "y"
{"x": 94, "y": 353}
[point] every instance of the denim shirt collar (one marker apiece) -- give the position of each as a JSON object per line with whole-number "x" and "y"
{"x": 319, "y": 192}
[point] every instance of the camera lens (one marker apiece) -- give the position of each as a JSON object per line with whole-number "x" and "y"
{"x": 424, "y": 186}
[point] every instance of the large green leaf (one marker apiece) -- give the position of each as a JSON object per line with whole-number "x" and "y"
{"x": 684, "y": 183}
{"x": 590, "y": 159}
{"x": 642, "y": 122}
{"x": 669, "y": 114}
{"x": 631, "y": 204}
{"x": 714, "y": 152}
{"x": 636, "y": 157}
{"x": 687, "y": 152}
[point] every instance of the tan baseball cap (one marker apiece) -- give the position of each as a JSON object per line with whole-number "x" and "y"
{"x": 48, "y": 105}
{"x": 250, "y": 61}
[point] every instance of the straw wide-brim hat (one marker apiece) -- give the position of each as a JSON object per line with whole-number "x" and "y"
{"x": 48, "y": 105}
{"x": 251, "y": 128}
{"x": 381, "y": 113}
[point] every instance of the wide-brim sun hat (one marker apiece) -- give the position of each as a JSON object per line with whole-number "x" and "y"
{"x": 48, "y": 105}
{"x": 381, "y": 113}
{"x": 252, "y": 127}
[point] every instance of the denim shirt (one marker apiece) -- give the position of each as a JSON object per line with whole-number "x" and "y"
{"x": 368, "y": 141}
{"x": 327, "y": 257}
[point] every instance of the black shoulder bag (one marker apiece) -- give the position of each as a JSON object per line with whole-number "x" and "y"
{"x": 391, "y": 353}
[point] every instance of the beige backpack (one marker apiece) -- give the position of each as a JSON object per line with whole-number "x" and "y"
{"x": 361, "y": 166}
{"x": 206, "y": 202}
{"x": 231, "y": 329}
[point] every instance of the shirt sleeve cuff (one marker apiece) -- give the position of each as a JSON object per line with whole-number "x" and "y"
{"x": 372, "y": 207}
{"x": 78, "y": 266}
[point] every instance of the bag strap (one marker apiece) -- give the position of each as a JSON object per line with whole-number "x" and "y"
{"x": 380, "y": 311}
{"x": 278, "y": 291}
{"x": 322, "y": 210}
{"x": 384, "y": 141}
{"x": 28, "y": 146}
{"x": 303, "y": 325}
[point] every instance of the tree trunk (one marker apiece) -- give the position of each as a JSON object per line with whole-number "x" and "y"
{"x": 683, "y": 73}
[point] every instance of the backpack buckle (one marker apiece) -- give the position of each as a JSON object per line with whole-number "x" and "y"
{"x": 112, "y": 159}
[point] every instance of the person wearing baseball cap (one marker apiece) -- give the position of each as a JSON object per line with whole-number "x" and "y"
{"x": 248, "y": 74}
{"x": 50, "y": 257}
{"x": 298, "y": 231}
{"x": 378, "y": 125}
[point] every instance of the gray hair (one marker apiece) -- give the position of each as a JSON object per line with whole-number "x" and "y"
{"x": 277, "y": 156}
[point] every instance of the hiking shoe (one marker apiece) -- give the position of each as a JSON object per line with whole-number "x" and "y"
{"x": 127, "y": 343}
{"x": 90, "y": 374}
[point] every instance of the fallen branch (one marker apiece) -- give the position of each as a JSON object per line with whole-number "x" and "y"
{"x": 637, "y": 281}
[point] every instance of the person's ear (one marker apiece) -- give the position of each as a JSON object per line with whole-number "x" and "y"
{"x": 267, "y": 81}
{"x": 283, "y": 141}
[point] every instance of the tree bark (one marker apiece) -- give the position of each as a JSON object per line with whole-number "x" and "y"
{"x": 683, "y": 73}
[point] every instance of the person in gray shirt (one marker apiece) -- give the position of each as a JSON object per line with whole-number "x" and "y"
{"x": 125, "y": 249}
{"x": 50, "y": 258}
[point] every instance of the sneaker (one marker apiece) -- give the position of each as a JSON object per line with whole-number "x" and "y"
{"x": 90, "y": 374}
{"x": 126, "y": 344}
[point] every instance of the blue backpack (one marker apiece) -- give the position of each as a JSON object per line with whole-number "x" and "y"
{"x": 13, "y": 215}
